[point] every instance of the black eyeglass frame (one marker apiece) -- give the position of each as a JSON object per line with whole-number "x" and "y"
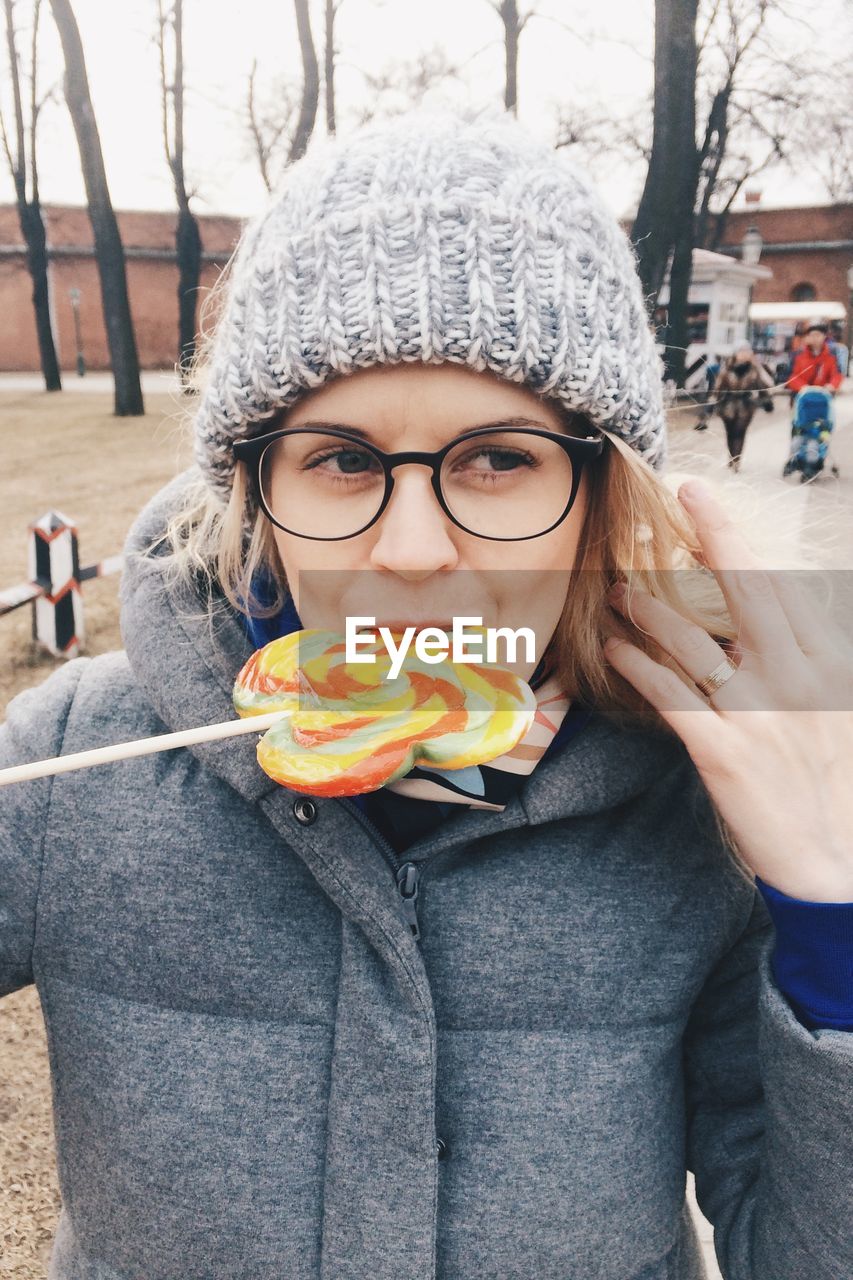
{"x": 581, "y": 450}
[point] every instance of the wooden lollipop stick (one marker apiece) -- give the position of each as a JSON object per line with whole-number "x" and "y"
{"x": 141, "y": 747}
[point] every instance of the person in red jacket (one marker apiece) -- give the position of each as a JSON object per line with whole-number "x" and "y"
{"x": 814, "y": 365}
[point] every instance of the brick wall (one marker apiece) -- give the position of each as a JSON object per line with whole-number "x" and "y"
{"x": 152, "y": 277}
{"x": 787, "y": 234}
{"x": 148, "y": 238}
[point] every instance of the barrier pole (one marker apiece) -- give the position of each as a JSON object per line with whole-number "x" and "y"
{"x": 54, "y": 565}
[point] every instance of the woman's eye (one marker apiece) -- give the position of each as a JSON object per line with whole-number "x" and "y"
{"x": 350, "y": 462}
{"x": 492, "y": 459}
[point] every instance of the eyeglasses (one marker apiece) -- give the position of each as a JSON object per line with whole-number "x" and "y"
{"x": 505, "y": 484}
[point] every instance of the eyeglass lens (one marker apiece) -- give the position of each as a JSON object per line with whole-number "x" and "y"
{"x": 503, "y": 484}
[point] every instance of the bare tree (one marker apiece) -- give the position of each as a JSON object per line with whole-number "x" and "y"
{"x": 268, "y": 128}
{"x": 768, "y": 93}
{"x": 109, "y": 252}
{"x": 827, "y": 134}
{"x": 599, "y": 138}
{"x": 400, "y": 84}
{"x": 663, "y": 227}
{"x": 23, "y": 166}
{"x": 187, "y": 236}
{"x": 749, "y": 99}
{"x": 835, "y": 156}
{"x": 514, "y": 24}
{"x": 310, "y": 83}
{"x": 329, "y": 54}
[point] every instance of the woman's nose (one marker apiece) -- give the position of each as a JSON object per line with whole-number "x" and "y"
{"x": 413, "y": 533}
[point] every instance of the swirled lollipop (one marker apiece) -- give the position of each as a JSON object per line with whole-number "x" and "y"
{"x": 352, "y": 728}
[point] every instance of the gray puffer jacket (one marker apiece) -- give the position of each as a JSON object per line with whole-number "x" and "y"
{"x": 260, "y": 1074}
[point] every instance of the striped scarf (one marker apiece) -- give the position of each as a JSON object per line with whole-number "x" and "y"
{"x": 489, "y": 786}
{"x": 485, "y": 786}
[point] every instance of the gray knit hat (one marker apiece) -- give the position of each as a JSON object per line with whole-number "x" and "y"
{"x": 430, "y": 238}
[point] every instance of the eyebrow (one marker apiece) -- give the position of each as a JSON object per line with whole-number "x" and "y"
{"x": 322, "y": 425}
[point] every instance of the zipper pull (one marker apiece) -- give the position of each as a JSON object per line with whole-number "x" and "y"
{"x": 407, "y": 883}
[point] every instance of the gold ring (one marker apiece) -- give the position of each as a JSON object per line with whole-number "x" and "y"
{"x": 716, "y": 678}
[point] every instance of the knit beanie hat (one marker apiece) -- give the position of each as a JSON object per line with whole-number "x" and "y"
{"x": 432, "y": 238}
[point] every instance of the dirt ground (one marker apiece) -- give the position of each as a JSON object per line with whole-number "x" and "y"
{"x": 67, "y": 453}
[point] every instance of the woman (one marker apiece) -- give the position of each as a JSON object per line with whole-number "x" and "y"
{"x": 742, "y": 384}
{"x": 483, "y": 1033}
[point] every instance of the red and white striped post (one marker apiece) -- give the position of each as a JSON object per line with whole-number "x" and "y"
{"x": 54, "y": 566}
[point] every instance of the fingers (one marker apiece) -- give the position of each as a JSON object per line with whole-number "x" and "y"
{"x": 756, "y": 611}
{"x": 696, "y": 652}
{"x": 692, "y": 718}
{"x": 816, "y": 629}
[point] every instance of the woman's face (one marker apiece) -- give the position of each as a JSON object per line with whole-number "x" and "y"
{"x": 414, "y": 565}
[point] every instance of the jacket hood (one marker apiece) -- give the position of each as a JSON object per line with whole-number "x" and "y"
{"x": 185, "y": 660}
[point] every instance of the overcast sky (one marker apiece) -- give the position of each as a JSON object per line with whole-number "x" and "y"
{"x": 610, "y": 73}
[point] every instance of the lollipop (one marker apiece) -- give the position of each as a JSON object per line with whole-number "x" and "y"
{"x": 352, "y": 728}
{"x": 338, "y": 729}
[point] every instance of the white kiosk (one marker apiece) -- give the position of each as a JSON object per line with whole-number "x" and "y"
{"x": 718, "y": 303}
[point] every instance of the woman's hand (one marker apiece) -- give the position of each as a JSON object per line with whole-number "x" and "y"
{"x": 775, "y": 759}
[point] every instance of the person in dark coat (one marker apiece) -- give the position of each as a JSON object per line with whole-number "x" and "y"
{"x": 741, "y": 386}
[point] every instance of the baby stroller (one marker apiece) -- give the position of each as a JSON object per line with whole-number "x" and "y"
{"x": 811, "y": 428}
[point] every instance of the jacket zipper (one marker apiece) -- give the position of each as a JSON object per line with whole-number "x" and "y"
{"x": 407, "y": 874}
{"x": 408, "y": 878}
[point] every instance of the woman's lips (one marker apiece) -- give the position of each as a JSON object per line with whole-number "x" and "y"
{"x": 399, "y": 624}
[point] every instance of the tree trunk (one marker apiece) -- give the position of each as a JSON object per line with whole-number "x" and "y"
{"x": 310, "y": 83}
{"x": 329, "y": 67}
{"x": 512, "y": 30}
{"x": 32, "y": 229}
{"x": 675, "y": 354}
{"x": 668, "y": 197}
{"x": 29, "y": 206}
{"x": 187, "y": 235}
{"x": 109, "y": 252}
{"x": 188, "y": 245}
{"x": 709, "y": 162}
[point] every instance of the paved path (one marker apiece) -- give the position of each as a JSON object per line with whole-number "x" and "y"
{"x": 822, "y": 508}
{"x": 819, "y": 516}
{"x": 151, "y": 379}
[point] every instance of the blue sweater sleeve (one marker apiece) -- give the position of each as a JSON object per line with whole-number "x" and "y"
{"x": 813, "y": 957}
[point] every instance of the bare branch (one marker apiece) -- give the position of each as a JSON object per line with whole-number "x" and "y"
{"x": 6, "y": 147}
{"x": 164, "y": 82}
{"x": 581, "y": 36}
{"x": 702, "y": 38}
{"x": 522, "y": 22}
{"x": 329, "y": 54}
{"x": 35, "y": 105}
{"x": 267, "y": 130}
{"x": 178, "y": 103}
{"x": 484, "y": 48}
{"x": 397, "y": 85}
{"x": 255, "y": 127}
{"x": 19, "y": 170}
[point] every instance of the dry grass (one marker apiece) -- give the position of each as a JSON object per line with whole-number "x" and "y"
{"x": 68, "y": 453}
{"x": 64, "y": 452}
